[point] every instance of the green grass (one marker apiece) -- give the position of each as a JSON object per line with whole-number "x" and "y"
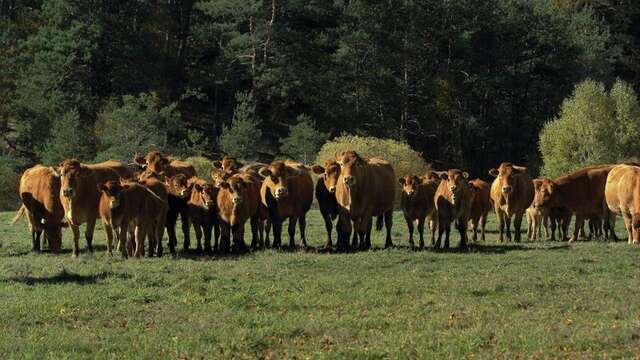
{"x": 540, "y": 300}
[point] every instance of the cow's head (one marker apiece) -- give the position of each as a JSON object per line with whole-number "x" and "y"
{"x": 179, "y": 186}
{"x": 409, "y": 184}
{"x": 140, "y": 161}
{"x": 456, "y": 182}
{"x": 276, "y": 178}
{"x": 237, "y": 188}
{"x": 228, "y": 164}
{"x": 352, "y": 167}
{"x": 113, "y": 190}
{"x": 206, "y": 194}
{"x": 218, "y": 176}
{"x": 71, "y": 174}
{"x": 330, "y": 174}
{"x": 506, "y": 176}
{"x": 546, "y": 195}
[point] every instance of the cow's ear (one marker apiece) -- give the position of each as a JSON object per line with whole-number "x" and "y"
{"x": 264, "y": 172}
{"x": 139, "y": 159}
{"x": 519, "y": 169}
{"x": 54, "y": 171}
{"x": 494, "y": 172}
{"x": 443, "y": 175}
{"x": 217, "y": 164}
{"x": 431, "y": 175}
{"x": 401, "y": 181}
{"x": 465, "y": 175}
{"x": 223, "y": 185}
{"x": 317, "y": 169}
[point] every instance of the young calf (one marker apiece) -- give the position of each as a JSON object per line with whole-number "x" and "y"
{"x": 480, "y": 207}
{"x": 453, "y": 202}
{"x": 417, "y": 204}
{"x": 131, "y": 205}
{"x": 536, "y": 220}
{"x": 203, "y": 213}
{"x": 326, "y": 195}
{"x": 239, "y": 200}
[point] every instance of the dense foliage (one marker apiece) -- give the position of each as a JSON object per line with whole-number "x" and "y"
{"x": 595, "y": 126}
{"x": 466, "y": 83}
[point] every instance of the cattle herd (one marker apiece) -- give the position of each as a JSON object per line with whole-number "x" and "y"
{"x": 137, "y": 202}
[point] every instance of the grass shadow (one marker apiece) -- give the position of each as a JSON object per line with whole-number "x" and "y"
{"x": 65, "y": 277}
{"x": 504, "y": 248}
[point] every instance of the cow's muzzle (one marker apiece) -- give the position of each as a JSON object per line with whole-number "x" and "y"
{"x": 67, "y": 192}
{"x": 507, "y": 189}
{"x": 281, "y": 192}
{"x": 349, "y": 180}
{"x": 237, "y": 201}
{"x": 332, "y": 189}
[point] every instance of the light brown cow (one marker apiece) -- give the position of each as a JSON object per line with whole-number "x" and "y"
{"x": 453, "y": 201}
{"x": 80, "y": 196}
{"x": 287, "y": 193}
{"x": 326, "y": 195}
{"x": 365, "y": 188}
{"x": 239, "y": 200}
{"x": 622, "y": 194}
{"x": 203, "y": 213}
{"x": 156, "y": 232}
{"x": 417, "y": 203}
{"x": 582, "y": 192}
{"x": 162, "y": 164}
{"x": 537, "y": 219}
{"x": 512, "y": 192}
{"x": 126, "y": 206}
{"x": 40, "y": 195}
{"x": 480, "y": 207}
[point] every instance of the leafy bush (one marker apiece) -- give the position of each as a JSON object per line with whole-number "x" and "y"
{"x": 243, "y": 137}
{"x": 136, "y": 125}
{"x": 304, "y": 140}
{"x": 9, "y": 184}
{"x": 403, "y": 158}
{"x": 70, "y": 138}
{"x": 594, "y": 127}
{"x": 203, "y": 166}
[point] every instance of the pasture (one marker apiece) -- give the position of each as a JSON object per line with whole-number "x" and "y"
{"x": 527, "y": 300}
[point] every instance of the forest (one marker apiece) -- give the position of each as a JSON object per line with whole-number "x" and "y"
{"x": 466, "y": 83}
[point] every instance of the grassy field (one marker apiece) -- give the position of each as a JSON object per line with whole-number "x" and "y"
{"x": 541, "y": 300}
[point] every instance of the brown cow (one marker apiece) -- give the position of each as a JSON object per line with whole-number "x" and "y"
{"x": 40, "y": 194}
{"x": 239, "y": 200}
{"x": 229, "y": 164}
{"x": 203, "y": 213}
{"x": 287, "y": 193}
{"x": 417, "y": 203}
{"x": 582, "y": 192}
{"x": 537, "y": 219}
{"x": 622, "y": 195}
{"x": 155, "y": 234}
{"x": 365, "y": 188}
{"x": 80, "y": 196}
{"x": 126, "y": 206}
{"x": 453, "y": 201}
{"x": 162, "y": 164}
{"x": 326, "y": 195}
{"x": 512, "y": 192}
{"x": 480, "y": 207}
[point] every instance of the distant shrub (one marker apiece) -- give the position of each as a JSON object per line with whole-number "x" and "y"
{"x": 304, "y": 140}
{"x": 70, "y": 138}
{"x": 9, "y": 184}
{"x": 243, "y": 138}
{"x": 202, "y": 165}
{"x": 403, "y": 158}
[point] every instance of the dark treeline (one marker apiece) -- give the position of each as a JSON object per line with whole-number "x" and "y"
{"x": 467, "y": 83}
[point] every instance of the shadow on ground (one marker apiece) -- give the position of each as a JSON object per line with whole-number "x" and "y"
{"x": 65, "y": 277}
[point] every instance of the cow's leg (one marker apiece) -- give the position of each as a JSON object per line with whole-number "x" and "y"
{"x": 122, "y": 240}
{"x": 483, "y": 225}
{"x": 410, "y": 228}
{"x": 302, "y": 224}
{"x": 627, "y": 225}
{"x": 292, "y": 231}
{"x": 76, "y": 239}
{"x": 172, "y": 219}
{"x": 474, "y": 227}
{"x": 238, "y": 238}
{"x": 260, "y": 223}
{"x": 507, "y": 222}
{"x": 277, "y": 232}
{"x": 184, "y": 219}
{"x": 225, "y": 237}
{"x": 501, "y": 224}
{"x": 354, "y": 240}
{"x": 366, "y": 235}
{"x": 388, "y": 223}
{"x": 446, "y": 234}
{"x": 421, "y": 222}
{"x": 433, "y": 224}
{"x": 578, "y": 228}
{"x": 208, "y": 228}
{"x": 517, "y": 226}
{"x": 35, "y": 239}
{"x": 255, "y": 235}
{"x": 109, "y": 235}
{"x": 462, "y": 228}
{"x": 197, "y": 227}
{"x": 611, "y": 220}
{"x": 88, "y": 233}
{"x": 328, "y": 226}
{"x": 545, "y": 225}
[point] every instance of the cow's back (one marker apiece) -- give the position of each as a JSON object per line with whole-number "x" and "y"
{"x": 122, "y": 169}
{"x": 303, "y": 190}
{"x": 584, "y": 190}
{"x": 40, "y": 193}
{"x": 482, "y": 200}
{"x": 624, "y": 180}
{"x": 182, "y": 167}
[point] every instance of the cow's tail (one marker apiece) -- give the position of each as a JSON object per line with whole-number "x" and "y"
{"x": 379, "y": 222}
{"x": 19, "y": 214}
